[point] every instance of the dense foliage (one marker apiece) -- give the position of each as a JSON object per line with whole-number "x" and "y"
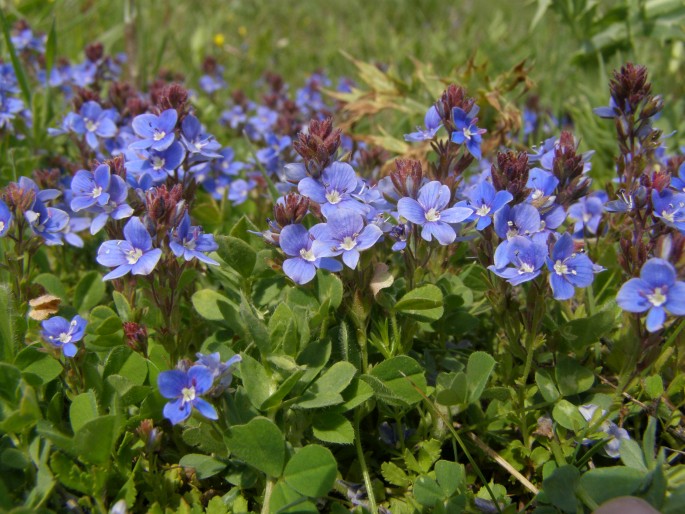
{"x": 221, "y": 300}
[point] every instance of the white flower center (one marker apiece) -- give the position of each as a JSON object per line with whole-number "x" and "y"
{"x": 668, "y": 216}
{"x": 65, "y": 337}
{"x": 2, "y": 226}
{"x": 97, "y": 191}
{"x": 526, "y": 268}
{"x": 468, "y": 133}
{"x": 188, "y": 394}
{"x": 512, "y": 232}
{"x": 333, "y": 197}
{"x": 483, "y": 210}
{"x": 91, "y": 126}
{"x": 587, "y": 217}
{"x": 307, "y": 255}
{"x": 432, "y": 215}
{"x": 159, "y": 135}
{"x": 157, "y": 163}
{"x": 537, "y": 194}
{"x": 348, "y": 243}
{"x": 190, "y": 245}
{"x": 560, "y": 268}
{"x": 133, "y": 256}
{"x": 657, "y": 298}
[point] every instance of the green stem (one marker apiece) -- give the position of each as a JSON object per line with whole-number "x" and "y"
{"x": 373, "y": 507}
{"x": 270, "y": 483}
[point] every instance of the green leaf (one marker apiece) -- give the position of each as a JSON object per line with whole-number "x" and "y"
{"x": 395, "y": 475}
{"x": 654, "y": 386}
{"x": 560, "y": 486}
{"x": 332, "y": 427}
{"x": 207, "y": 304}
{"x": 311, "y": 471}
{"x": 36, "y": 366}
{"x": 336, "y": 378}
{"x": 649, "y": 442}
{"x": 288, "y": 384}
{"x": 580, "y": 333}
{"x": 572, "y": 378}
{"x": 237, "y": 254}
{"x": 631, "y": 455}
{"x": 568, "y": 416}
{"x": 259, "y": 443}
{"x": 52, "y": 285}
{"x": 285, "y": 500}
{"x": 455, "y": 390}
{"x": 94, "y": 441}
{"x": 478, "y": 370}
{"x": 256, "y": 329}
{"x": 122, "y": 305}
{"x": 451, "y": 476}
{"x": 89, "y": 291}
{"x": 282, "y": 328}
{"x": 603, "y": 484}
{"x": 402, "y": 375}
{"x": 241, "y": 229}
{"x": 51, "y": 48}
{"x": 203, "y": 465}
{"x": 84, "y": 407}
{"x": 10, "y": 377}
{"x": 329, "y": 287}
{"x": 546, "y": 386}
{"x": 16, "y": 63}
{"x": 255, "y": 380}
{"x": 427, "y": 491}
{"x": 424, "y": 303}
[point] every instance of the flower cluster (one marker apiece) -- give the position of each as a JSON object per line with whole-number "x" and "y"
{"x": 186, "y": 385}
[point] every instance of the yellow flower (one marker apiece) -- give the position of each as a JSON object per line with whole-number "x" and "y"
{"x": 219, "y": 39}
{"x": 242, "y": 31}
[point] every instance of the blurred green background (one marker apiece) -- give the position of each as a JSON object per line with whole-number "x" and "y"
{"x": 572, "y": 45}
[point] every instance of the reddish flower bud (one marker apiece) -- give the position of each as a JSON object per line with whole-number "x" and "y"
{"x": 407, "y": 177}
{"x": 94, "y": 52}
{"x": 510, "y": 173}
{"x": 292, "y": 210}
{"x": 318, "y": 146}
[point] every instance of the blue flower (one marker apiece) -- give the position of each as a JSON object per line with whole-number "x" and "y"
{"x": 9, "y": 107}
{"x": 47, "y": 222}
{"x": 466, "y": 130}
{"x": 185, "y": 389}
{"x": 587, "y": 213}
{"x": 526, "y": 259}
{"x": 485, "y": 202}
{"x": 221, "y": 371}
{"x": 611, "y": 429}
{"x": 62, "y": 334}
{"x": 189, "y": 242}
{"x": 656, "y": 291}
{"x": 542, "y": 183}
{"x": 430, "y": 213}
{"x": 679, "y": 181}
{"x": 344, "y": 233}
{"x": 670, "y": 208}
{"x": 133, "y": 254}
{"x": 159, "y": 164}
{"x": 262, "y": 122}
{"x": 90, "y": 188}
{"x": 199, "y": 145}
{"x": 433, "y": 123}
{"x": 334, "y": 189}
{"x": 157, "y": 132}
{"x": 568, "y": 269}
{"x": 296, "y": 242}
{"x": 238, "y": 190}
{"x": 5, "y": 219}
{"x": 94, "y": 122}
